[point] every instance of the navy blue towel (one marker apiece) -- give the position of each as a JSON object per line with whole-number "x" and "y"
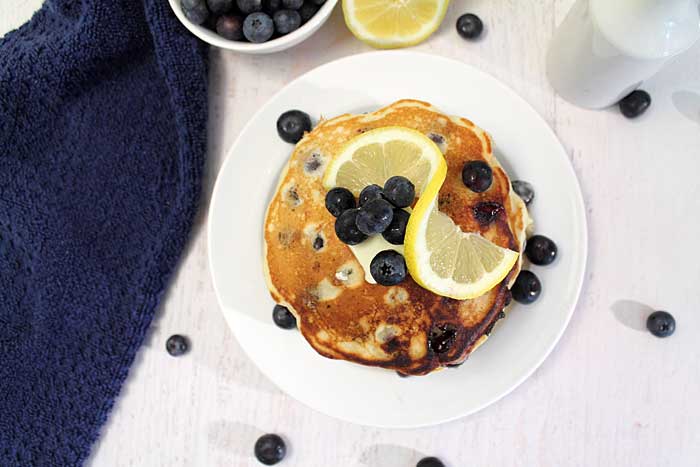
{"x": 102, "y": 141}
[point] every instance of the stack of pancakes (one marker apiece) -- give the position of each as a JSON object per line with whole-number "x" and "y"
{"x": 318, "y": 278}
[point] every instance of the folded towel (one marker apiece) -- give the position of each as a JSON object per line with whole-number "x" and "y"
{"x": 102, "y": 141}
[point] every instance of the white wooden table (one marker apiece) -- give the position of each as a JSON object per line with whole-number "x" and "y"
{"x": 609, "y": 395}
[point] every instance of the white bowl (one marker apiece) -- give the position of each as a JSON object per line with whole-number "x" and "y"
{"x": 273, "y": 45}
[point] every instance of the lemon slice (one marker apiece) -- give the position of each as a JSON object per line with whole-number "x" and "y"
{"x": 376, "y": 155}
{"x": 393, "y": 23}
{"x": 447, "y": 261}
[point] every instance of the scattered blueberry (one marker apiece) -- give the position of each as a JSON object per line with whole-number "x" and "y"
{"x": 524, "y": 190}
{"x": 249, "y": 6}
{"x": 375, "y": 216}
{"x": 396, "y": 231}
{"x": 283, "y": 317}
{"x": 635, "y": 104}
{"x": 661, "y": 324}
{"x": 527, "y": 288}
{"x": 307, "y": 11}
{"x": 292, "y": 4}
{"x": 399, "y": 191}
{"x": 477, "y": 176}
{"x": 441, "y": 338}
{"x": 272, "y": 6}
{"x": 292, "y": 124}
{"x": 430, "y": 462}
{"x": 195, "y": 11}
{"x": 540, "y": 250}
{"x": 346, "y": 228}
{"x": 339, "y": 200}
{"x": 219, "y": 7}
{"x": 230, "y": 27}
{"x": 270, "y": 449}
{"x": 486, "y": 212}
{"x": 177, "y": 345}
{"x": 258, "y": 27}
{"x": 388, "y": 267}
{"x": 286, "y": 21}
{"x": 369, "y": 193}
{"x": 469, "y": 26}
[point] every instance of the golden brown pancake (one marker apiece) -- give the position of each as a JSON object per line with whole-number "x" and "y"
{"x": 405, "y": 327}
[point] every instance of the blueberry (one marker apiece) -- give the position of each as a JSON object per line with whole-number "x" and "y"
{"x": 339, "y": 200}
{"x": 177, "y": 345}
{"x": 524, "y": 190}
{"x": 196, "y": 12}
{"x": 258, "y": 27}
{"x": 346, "y": 228}
{"x": 430, "y": 462}
{"x": 635, "y": 104}
{"x": 307, "y": 11}
{"x": 375, "y": 216}
{"x": 292, "y": 4}
{"x": 477, "y": 176}
{"x": 249, "y": 6}
{"x": 469, "y": 26}
{"x": 286, "y": 21}
{"x": 527, "y": 288}
{"x": 271, "y": 6}
{"x": 396, "y": 231}
{"x": 441, "y": 338}
{"x": 219, "y": 7}
{"x": 292, "y": 124}
{"x": 283, "y": 317}
{"x": 230, "y": 27}
{"x": 369, "y": 193}
{"x": 388, "y": 268}
{"x": 270, "y": 449}
{"x": 541, "y": 250}
{"x": 399, "y": 191}
{"x": 318, "y": 243}
{"x": 661, "y": 324}
{"x": 486, "y": 212}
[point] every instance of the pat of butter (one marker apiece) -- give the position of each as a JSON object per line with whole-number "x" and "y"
{"x": 367, "y": 250}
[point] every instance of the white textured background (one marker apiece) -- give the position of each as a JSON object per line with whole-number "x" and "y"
{"x": 609, "y": 395}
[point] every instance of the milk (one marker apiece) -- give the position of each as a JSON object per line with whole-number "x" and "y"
{"x": 604, "y": 49}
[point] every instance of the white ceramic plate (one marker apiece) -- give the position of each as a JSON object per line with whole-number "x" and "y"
{"x": 525, "y": 145}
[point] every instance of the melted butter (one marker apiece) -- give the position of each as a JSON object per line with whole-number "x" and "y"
{"x": 367, "y": 250}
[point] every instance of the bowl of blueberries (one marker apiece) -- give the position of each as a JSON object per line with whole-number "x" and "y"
{"x": 253, "y": 26}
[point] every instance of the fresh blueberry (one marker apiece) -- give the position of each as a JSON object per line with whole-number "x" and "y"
{"x": 307, "y": 11}
{"x": 486, "y": 212}
{"x": 469, "y": 26}
{"x": 524, "y": 190}
{"x": 292, "y": 124}
{"x": 635, "y": 104}
{"x": 258, "y": 27}
{"x": 541, "y": 250}
{"x": 270, "y": 449}
{"x": 249, "y": 6}
{"x": 286, "y": 21}
{"x": 399, "y": 191}
{"x": 477, "y": 176}
{"x": 375, "y": 216}
{"x": 177, "y": 345}
{"x": 661, "y": 324}
{"x": 369, "y": 193}
{"x": 292, "y": 4}
{"x": 339, "y": 200}
{"x": 396, "y": 231}
{"x": 430, "y": 462}
{"x": 272, "y": 6}
{"x": 527, "y": 288}
{"x": 283, "y": 317}
{"x": 230, "y": 27}
{"x": 441, "y": 338}
{"x": 195, "y": 11}
{"x": 388, "y": 267}
{"x": 346, "y": 228}
{"x": 219, "y": 7}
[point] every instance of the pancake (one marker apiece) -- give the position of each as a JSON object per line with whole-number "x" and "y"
{"x": 318, "y": 278}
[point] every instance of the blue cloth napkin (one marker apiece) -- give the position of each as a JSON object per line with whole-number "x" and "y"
{"x": 102, "y": 140}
